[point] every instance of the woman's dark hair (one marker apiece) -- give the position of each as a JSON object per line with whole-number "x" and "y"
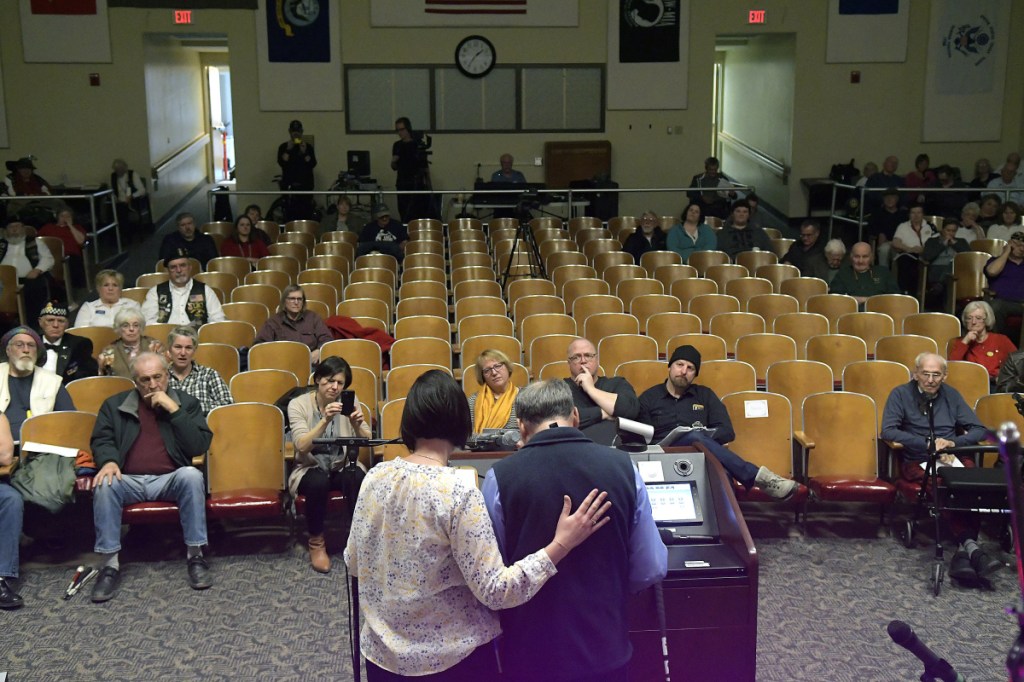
{"x": 436, "y": 407}
{"x": 252, "y": 226}
{"x": 404, "y": 120}
{"x": 252, "y": 206}
{"x": 920, "y": 158}
{"x": 328, "y": 367}
{"x": 1012, "y": 205}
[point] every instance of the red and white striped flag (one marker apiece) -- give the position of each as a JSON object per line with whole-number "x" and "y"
{"x": 63, "y": 6}
{"x": 483, "y": 7}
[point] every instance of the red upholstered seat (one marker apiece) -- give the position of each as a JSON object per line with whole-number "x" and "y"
{"x": 244, "y": 503}
{"x": 908, "y": 490}
{"x": 840, "y": 488}
{"x": 150, "y": 512}
{"x": 756, "y": 495}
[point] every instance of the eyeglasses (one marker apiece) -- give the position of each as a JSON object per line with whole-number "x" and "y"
{"x": 806, "y": 234}
{"x": 293, "y": 299}
{"x": 493, "y": 369}
{"x": 24, "y": 345}
{"x": 582, "y": 357}
{"x": 131, "y": 325}
{"x": 931, "y": 375}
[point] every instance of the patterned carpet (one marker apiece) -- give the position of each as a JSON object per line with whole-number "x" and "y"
{"x": 825, "y": 601}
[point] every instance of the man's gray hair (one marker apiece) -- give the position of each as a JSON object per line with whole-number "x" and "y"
{"x": 921, "y": 357}
{"x": 183, "y": 330}
{"x": 835, "y": 246}
{"x": 543, "y": 401}
{"x": 144, "y": 356}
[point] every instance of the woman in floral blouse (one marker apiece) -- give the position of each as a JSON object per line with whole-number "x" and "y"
{"x": 422, "y": 545}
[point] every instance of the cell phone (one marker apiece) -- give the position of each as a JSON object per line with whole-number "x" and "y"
{"x": 348, "y": 402}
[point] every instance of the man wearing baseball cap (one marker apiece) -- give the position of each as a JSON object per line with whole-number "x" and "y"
{"x": 25, "y": 389}
{"x": 297, "y": 161}
{"x": 681, "y": 402}
{"x": 383, "y": 234}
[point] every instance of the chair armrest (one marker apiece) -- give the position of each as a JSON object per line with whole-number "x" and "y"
{"x": 801, "y": 437}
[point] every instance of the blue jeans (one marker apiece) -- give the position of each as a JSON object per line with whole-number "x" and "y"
{"x": 739, "y": 468}
{"x": 185, "y": 487}
{"x": 11, "y": 514}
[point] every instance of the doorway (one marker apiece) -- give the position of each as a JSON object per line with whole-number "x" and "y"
{"x": 752, "y": 126}
{"x": 222, "y": 132}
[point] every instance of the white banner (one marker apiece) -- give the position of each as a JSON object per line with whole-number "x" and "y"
{"x": 865, "y": 32}
{"x": 474, "y": 13}
{"x": 299, "y": 86}
{"x": 660, "y": 85}
{"x": 968, "y": 43}
{"x": 65, "y": 38}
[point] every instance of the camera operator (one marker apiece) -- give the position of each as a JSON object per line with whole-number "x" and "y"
{"x": 410, "y": 158}
{"x": 297, "y": 160}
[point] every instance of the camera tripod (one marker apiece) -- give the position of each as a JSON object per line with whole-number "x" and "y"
{"x": 524, "y": 233}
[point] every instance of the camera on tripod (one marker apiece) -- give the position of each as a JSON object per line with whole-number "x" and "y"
{"x": 423, "y": 153}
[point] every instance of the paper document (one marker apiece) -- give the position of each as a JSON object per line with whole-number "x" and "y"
{"x": 32, "y": 446}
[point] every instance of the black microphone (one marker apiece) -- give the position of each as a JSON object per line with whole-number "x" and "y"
{"x": 936, "y": 667}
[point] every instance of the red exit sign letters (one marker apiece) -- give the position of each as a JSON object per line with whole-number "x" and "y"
{"x": 755, "y": 16}
{"x": 183, "y": 16}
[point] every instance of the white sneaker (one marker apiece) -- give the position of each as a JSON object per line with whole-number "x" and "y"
{"x": 774, "y": 485}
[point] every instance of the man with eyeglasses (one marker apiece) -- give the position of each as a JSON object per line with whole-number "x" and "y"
{"x": 181, "y": 300}
{"x": 25, "y": 390}
{"x": 906, "y": 421}
{"x": 599, "y": 400}
{"x": 807, "y": 254}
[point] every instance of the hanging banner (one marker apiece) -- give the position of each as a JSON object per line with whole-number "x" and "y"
{"x": 968, "y": 44}
{"x": 47, "y": 24}
{"x": 474, "y": 13}
{"x": 296, "y": 85}
{"x": 657, "y": 85}
{"x": 648, "y": 31}
{"x": 867, "y": 31}
{"x": 298, "y": 31}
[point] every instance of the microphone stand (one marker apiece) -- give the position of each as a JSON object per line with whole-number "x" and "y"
{"x": 352, "y": 445}
{"x": 1010, "y": 452}
{"x": 930, "y": 476}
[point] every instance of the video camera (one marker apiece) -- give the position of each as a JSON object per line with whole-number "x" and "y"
{"x": 423, "y": 153}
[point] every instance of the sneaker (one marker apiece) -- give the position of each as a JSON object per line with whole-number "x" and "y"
{"x": 960, "y": 567}
{"x": 774, "y": 485}
{"x": 9, "y": 599}
{"x": 106, "y": 584}
{"x": 199, "y": 573}
{"x": 984, "y": 564}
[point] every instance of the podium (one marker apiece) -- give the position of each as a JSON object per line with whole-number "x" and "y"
{"x": 710, "y": 592}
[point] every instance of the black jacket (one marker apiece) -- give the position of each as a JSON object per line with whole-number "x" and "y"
{"x": 74, "y": 358}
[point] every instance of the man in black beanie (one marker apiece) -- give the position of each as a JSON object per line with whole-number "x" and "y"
{"x": 680, "y": 402}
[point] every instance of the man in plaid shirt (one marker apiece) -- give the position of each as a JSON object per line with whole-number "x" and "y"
{"x": 188, "y": 376}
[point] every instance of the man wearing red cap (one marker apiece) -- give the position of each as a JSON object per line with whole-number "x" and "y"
{"x": 680, "y": 402}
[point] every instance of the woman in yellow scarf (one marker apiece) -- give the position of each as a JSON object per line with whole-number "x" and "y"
{"x": 493, "y": 406}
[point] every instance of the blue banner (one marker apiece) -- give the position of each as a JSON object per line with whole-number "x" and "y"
{"x": 298, "y": 31}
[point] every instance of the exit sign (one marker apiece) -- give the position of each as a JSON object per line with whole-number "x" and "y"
{"x": 755, "y": 16}
{"x": 184, "y": 16}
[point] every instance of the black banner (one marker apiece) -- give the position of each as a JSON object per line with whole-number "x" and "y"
{"x": 648, "y": 31}
{"x": 298, "y": 30}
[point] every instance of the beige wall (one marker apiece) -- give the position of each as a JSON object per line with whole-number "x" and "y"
{"x": 76, "y": 130}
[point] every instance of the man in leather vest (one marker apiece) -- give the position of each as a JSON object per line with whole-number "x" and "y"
{"x": 181, "y": 300}
{"x": 32, "y": 259}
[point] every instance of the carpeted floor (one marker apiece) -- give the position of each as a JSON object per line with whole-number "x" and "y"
{"x": 825, "y": 601}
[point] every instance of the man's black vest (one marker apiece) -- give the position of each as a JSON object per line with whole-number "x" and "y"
{"x": 195, "y": 309}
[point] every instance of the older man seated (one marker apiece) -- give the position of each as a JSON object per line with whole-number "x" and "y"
{"x": 182, "y": 300}
{"x": 32, "y": 259}
{"x": 860, "y": 279}
{"x": 925, "y": 416}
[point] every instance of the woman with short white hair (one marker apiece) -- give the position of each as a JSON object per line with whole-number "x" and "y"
{"x": 980, "y": 344}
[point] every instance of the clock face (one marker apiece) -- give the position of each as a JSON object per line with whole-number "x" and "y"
{"x": 475, "y": 56}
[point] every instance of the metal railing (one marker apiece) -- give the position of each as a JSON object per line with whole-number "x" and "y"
{"x": 96, "y": 199}
{"x": 863, "y": 192}
{"x": 776, "y": 166}
{"x": 462, "y": 197}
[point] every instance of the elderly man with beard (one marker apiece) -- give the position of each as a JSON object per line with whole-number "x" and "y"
{"x": 25, "y": 389}
{"x": 181, "y": 300}
{"x": 32, "y": 259}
